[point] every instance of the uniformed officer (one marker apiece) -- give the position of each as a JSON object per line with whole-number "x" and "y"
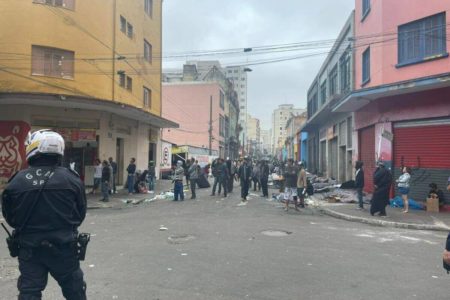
{"x": 51, "y": 202}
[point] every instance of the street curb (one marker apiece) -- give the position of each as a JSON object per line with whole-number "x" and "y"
{"x": 382, "y": 223}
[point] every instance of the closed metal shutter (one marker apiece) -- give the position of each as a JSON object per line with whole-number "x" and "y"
{"x": 334, "y": 158}
{"x": 367, "y": 155}
{"x": 425, "y": 147}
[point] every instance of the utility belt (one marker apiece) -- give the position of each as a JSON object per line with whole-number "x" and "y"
{"x": 79, "y": 245}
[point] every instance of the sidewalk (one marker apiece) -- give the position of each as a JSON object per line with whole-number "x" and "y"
{"x": 415, "y": 219}
{"x": 122, "y": 199}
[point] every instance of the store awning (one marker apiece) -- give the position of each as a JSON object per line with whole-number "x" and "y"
{"x": 63, "y": 101}
{"x": 360, "y": 98}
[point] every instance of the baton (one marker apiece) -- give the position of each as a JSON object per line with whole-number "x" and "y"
{"x": 6, "y": 229}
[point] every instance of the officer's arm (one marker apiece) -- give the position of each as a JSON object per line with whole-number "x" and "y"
{"x": 6, "y": 208}
{"x": 81, "y": 202}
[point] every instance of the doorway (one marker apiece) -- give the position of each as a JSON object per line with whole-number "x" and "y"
{"x": 120, "y": 160}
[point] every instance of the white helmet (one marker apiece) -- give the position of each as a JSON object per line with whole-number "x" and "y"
{"x": 44, "y": 141}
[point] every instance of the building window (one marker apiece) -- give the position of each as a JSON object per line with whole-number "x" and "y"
{"x": 333, "y": 81}
{"x": 69, "y": 4}
{"x": 222, "y": 100}
{"x": 122, "y": 79}
{"x": 344, "y": 63}
{"x": 129, "y": 30}
{"x": 52, "y": 62}
{"x": 129, "y": 83}
{"x": 148, "y": 6}
{"x": 147, "y": 97}
{"x": 323, "y": 93}
{"x": 365, "y": 8}
{"x": 366, "y": 66}
{"x": 147, "y": 51}
{"x": 221, "y": 126}
{"x": 123, "y": 24}
{"x": 422, "y": 40}
{"x": 313, "y": 104}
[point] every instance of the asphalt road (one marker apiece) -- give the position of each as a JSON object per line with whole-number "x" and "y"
{"x": 214, "y": 249}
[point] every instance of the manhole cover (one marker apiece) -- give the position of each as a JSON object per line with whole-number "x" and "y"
{"x": 180, "y": 239}
{"x": 276, "y": 233}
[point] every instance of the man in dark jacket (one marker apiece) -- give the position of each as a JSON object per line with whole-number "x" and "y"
{"x": 106, "y": 179}
{"x": 215, "y": 173}
{"x": 382, "y": 180}
{"x": 359, "y": 182}
{"x": 245, "y": 175}
{"x": 151, "y": 176}
{"x": 264, "y": 178}
{"x": 223, "y": 177}
{"x": 45, "y": 204}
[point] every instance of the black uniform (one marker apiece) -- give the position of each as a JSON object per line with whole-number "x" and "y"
{"x": 245, "y": 174}
{"x": 47, "y": 243}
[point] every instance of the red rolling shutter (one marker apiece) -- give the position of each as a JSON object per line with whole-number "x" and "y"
{"x": 367, "y": 155}
{"x": 422, "y": 146}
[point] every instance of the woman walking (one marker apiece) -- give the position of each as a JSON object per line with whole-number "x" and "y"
{"x": 403, "y": 187}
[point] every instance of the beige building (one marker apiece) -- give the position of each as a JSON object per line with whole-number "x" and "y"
{"x": 253, "y": 135}
{"x": 280, "y": 117}
{"x": 265, "y": 141}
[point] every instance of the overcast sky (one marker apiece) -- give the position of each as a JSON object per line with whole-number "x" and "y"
{"x": 190, "y": 25}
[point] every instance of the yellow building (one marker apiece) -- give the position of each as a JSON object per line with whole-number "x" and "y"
{"x": 90, "y": 69}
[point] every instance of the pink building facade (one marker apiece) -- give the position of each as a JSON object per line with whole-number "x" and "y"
{"x": 402, "y": 90}
{"x": 189, "y": 104}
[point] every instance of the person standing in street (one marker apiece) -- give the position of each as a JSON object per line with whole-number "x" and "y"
{"x": 245, "y": 176}
{"x": 256, "y": 177}
{"x": 359, "y": 183}
{"x": 403, "y": 187}
{"x": 290, "y": 190}
{"x": 131, "y": 170}
{"x": 178, "y": 175}
{"x": 151, "y": 176}
{"x": 264, "y": 178}
{"x": 382, "y": 180}
{"x": 193, "y": 176}
{"x": 45, "y": 204}
{"x": 223, "y": 177}
{"x": 106, "y": 179}
{"x": 97, "y": 175}
{"x": 231, "y": 171}
{"x": 215, "y": 174}
{"x": 302, "y": 184}
{"x": 186, "y": 167}
{"x": 113, "y": 165}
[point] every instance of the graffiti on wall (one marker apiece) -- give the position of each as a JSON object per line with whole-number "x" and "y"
{"x": 12, "y": 148}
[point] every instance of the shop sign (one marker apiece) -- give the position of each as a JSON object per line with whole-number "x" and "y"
{"x": 179, "y": 150}
{"x": 77, "y": 135}
{"x": 166, "y": 155}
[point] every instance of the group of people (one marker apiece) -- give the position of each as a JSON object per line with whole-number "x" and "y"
{"x": 105, "y": 174}
{"x": 105, "y": 178}
{"x": 226, "y": 172}
{"x": 382, "y": 181}
{"x": 192, "y": 171}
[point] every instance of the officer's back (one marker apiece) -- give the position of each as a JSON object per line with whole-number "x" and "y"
{"x": 45, "y": 204}
{"x": 60, "y": 209}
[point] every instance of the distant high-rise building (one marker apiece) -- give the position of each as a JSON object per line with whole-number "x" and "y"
{"x": 238, "y": 76}
{"x": 280, "y": 116}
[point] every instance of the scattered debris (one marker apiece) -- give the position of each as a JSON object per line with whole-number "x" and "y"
{"x": 163, "y": 228}
{"x": 184, "y": 254}
{"x": 242, "y": 203}
{"x": 91, "y": 266}
{"x": 169, "y": 269}
{"x": 180, "y": 239}
{"x": 276, "y": 233}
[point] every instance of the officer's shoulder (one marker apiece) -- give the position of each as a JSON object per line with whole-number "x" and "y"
{"x": 72, "y": 172}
